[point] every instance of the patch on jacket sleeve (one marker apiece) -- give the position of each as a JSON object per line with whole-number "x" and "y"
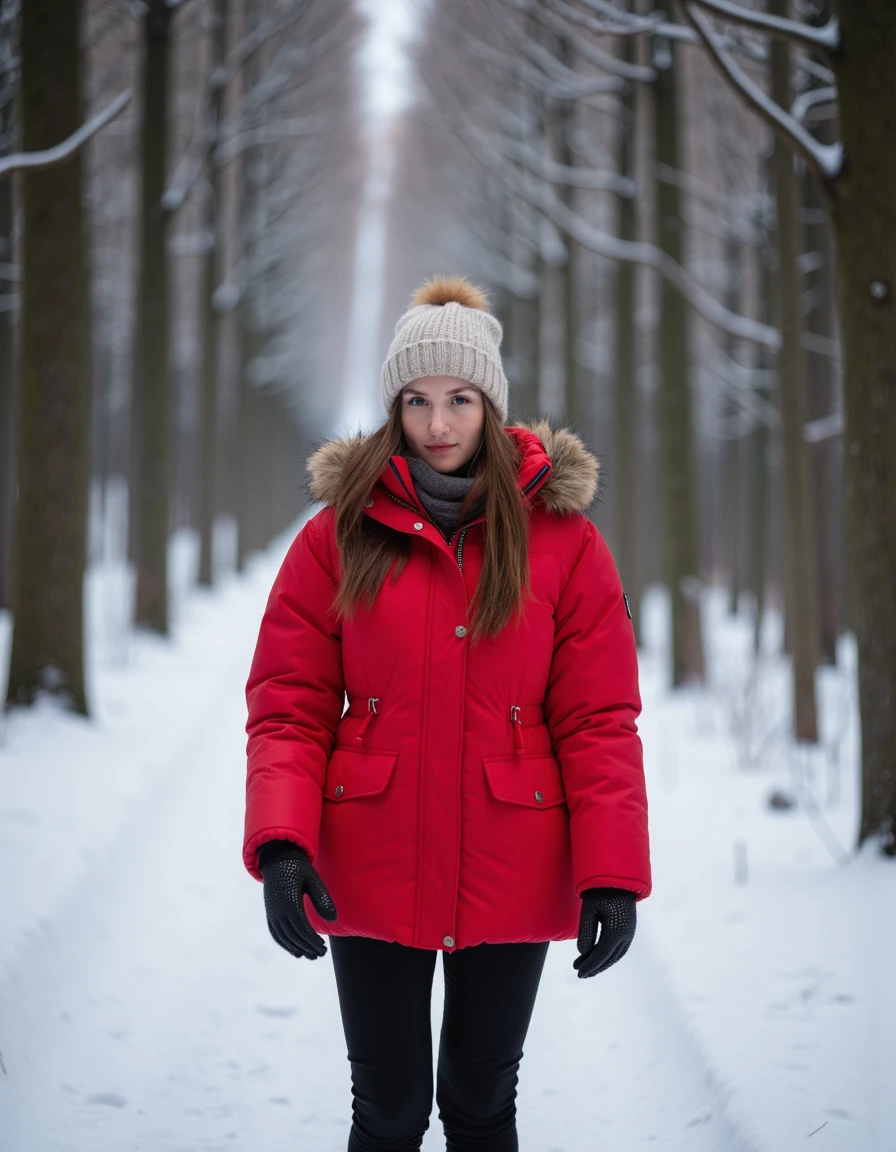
{"x": 628, "y": 607}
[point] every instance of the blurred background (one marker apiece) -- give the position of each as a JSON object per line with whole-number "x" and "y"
{"x": 221, "y": 265}
{"x": 212, "y": 213}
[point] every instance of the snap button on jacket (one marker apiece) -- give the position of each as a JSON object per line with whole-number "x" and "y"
{"x": 452, "y": 794}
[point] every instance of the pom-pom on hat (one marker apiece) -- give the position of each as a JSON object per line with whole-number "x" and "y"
{"x": 447, "y": 331}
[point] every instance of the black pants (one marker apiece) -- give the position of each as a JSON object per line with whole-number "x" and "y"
{"x": 384, "y": 995}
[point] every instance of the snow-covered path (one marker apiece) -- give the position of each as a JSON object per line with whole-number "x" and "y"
{"x": 153, "y": 1011}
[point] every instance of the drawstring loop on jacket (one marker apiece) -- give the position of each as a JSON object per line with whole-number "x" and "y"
{"x": 372, "y": 702}
{"x": 519, "y": 743}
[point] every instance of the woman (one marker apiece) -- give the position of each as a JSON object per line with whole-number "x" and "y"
{"x": 483, "y": 792}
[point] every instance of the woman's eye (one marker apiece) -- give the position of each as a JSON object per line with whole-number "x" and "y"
{"x": 462, "y": 399}
{"x": 414, "y": 400}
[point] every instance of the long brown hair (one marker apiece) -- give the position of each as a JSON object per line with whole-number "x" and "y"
{"x": 368, "y": 550}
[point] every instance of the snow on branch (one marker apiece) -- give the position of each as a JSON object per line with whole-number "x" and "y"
{"x": 629, "y": 27}
{"x": 811, "y": 98}
{"x": 702, "y": 301}
{"x": 824, "y": 427}
{"x": 827, "y": 37}
{"x": 634, "y": 24}
{"x": 255, "y": 39}
{"x": 594, "y": 55}
{"x": 52, "y": 157}
{"x": 591, "y": 179}
{"x": 635, "y": 252}
{"x": 189, "y": 168}
{"x": 826, "y": 160}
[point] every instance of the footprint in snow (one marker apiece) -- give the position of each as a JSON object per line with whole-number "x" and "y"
{"x": 113, "y": 1099}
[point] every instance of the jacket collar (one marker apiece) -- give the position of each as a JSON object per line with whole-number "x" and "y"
{"x": 555, "y": 468}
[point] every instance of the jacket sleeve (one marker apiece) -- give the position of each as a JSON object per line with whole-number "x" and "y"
{"x": 591, "y": 706}
{"x": 295, "y": 697}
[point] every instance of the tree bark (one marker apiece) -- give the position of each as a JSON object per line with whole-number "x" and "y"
{"x": 732, "y": 449}
{"x": 51, "y": 515}
{"x": 575, "y": 410}
{"x": 681, "y": 549}
{"x": 627, "y": 427}
{"x": 757, "y": 546}
{"x": 800, "y": 573}
{"x": 864, "y": 219}
{"x": 7, "y": 367}
{"x": 151, "y": 406}
{"x": 207, "y": 502}
{"x": 823, "y": 396}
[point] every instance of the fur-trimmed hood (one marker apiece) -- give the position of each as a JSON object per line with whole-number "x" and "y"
{"x": 571, "y": 486}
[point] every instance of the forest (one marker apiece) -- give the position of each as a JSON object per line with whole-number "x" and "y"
{"x": 686, "y": 223}
{"x": 684, "y": 216}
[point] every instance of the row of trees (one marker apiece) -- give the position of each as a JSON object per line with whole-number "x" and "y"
{"x": 172, "y": 260}
{"x": 688, "y": 219}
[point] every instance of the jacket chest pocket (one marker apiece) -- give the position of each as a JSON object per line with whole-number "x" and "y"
{"x": 531, "y": 779}
{"x": 353, "y": 773}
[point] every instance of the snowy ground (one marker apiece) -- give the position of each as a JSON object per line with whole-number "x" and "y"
{"x": 144, "y": 1006}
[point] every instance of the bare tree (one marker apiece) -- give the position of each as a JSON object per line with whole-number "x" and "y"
{"x": 799, "y": 511}
{"x": 675, "y": 423}
{"x": 151, "y": 398}
{"x": 859, "y": 179}
{"x": 9, "y": 285}
{"x": 209, "y": 425}
{"x": 50, "y": 534}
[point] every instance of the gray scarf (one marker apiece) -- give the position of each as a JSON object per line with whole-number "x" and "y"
{"x": 442, "y": 495}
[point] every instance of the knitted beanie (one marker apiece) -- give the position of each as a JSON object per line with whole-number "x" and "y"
{"x": 447, "y": 331}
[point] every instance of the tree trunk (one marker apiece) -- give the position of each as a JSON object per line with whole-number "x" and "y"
{"x": 732, "y": 449}
{"x": 51, "y": 515}
{"x": 8, "y": 287}
{"x": 627, "y": 427}
{"x": 826, "y": 456}
{"x": 681, "y": 549}
{"x": 759, "y": 442}
{"x": 800, "y": 574}
{"x": 823, "y": 397}
{"x": 575, "y": 411}
{"x": 864, "y": 219}
{"x": 759, "y": 526}
{"x": 245, "y": 418}
{"x": 151, "y": 407}
{"x": 207, "y": 501}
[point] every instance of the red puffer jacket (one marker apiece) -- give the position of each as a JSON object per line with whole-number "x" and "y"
{"x": 467, "y": 794}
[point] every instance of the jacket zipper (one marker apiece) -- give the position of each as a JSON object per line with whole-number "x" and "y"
{"x": 411, "y": 508}
{"x": 460, "y": 540}
{"x": 420, "y": 512}
{"x": 460, "y": 548}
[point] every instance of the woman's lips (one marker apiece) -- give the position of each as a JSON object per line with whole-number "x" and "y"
{"x": 440, "y": 447}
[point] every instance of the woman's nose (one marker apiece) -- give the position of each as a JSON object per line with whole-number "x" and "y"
{"x": 437, "y": 422}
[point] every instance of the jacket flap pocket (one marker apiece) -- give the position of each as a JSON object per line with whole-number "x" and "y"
{"x": 532, "y": 780}
{"x": 352, "y": 773}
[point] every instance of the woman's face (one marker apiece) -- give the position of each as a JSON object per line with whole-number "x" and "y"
{"x": 442, "y": 419}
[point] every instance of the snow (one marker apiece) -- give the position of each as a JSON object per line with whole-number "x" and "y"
{"x": 51, "y": 157}
{"x": 143, "y": 1003}
{"x": 827, "y": 36}
{"x": 826, "y": 158}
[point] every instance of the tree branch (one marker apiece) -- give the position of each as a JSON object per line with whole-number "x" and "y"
{"x": 52, "y": 157}
{"x": 811, "y": 98}
{"x": 826, "y": 160}
{"x": 826, "y": 37}
{"x": 631, "y": 251}
{"x": 255, "y": 40}
{"x": 634, "y": 27}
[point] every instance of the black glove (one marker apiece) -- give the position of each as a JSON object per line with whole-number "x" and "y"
{"x": 614, "y": 910}
{"x": 288, "y": 875}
